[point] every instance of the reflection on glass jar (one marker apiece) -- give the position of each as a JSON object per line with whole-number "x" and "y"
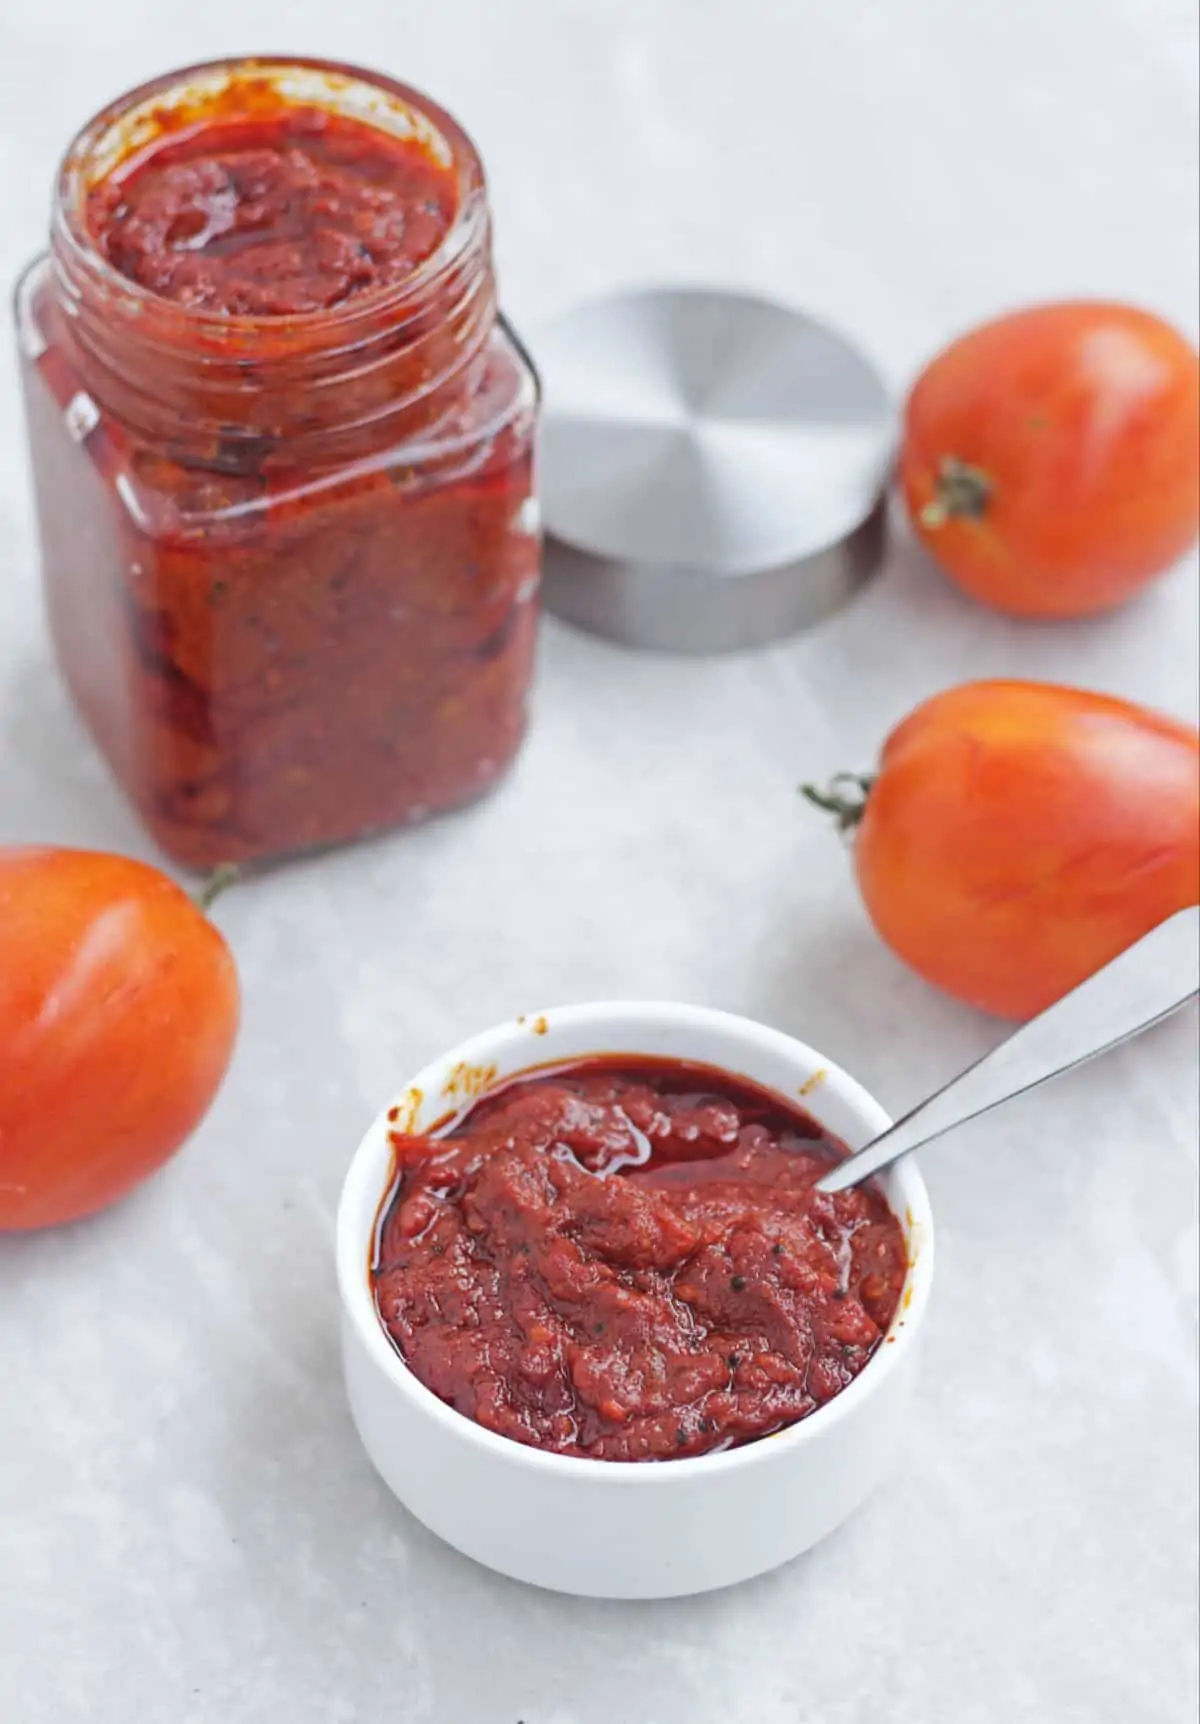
{"x": 282, "y": 446}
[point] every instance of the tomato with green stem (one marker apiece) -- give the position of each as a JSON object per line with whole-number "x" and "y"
{"x": 1015, "y": 836}
{"x": 1050, "y": 459}
{"x": 119, "y": 1011}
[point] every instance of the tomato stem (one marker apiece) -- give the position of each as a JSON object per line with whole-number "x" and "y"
{"x": 221, "y": 877}
{"x": 845, "y": 796}
{"x": 962, "y": 492}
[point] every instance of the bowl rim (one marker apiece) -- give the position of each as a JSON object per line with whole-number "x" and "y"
{"x": 366, "y": 1182}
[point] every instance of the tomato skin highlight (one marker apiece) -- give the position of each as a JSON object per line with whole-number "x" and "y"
{"x": 1050, "y": 459}
{"x": 119, "y": 1008}
{"x": 1019, "y": 835}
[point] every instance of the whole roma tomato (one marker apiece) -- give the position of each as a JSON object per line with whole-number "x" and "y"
{"x": 1051, "y": 460}
{"x": 1018, "y": 835}
{"x": 118, "y": 1016}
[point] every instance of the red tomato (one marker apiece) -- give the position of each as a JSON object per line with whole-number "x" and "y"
{"x": 1017, "y": 836}
{"x": 118, "y": 1015}
{"x": 1051, "y": 460}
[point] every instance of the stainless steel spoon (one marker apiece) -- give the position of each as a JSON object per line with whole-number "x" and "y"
{"x": 1146, "y": 983}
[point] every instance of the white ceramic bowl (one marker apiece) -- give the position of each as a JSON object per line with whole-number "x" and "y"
{"x": 612, "y": 1529}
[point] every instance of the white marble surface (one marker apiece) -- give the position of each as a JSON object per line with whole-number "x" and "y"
{"x": 188, "y": 1530}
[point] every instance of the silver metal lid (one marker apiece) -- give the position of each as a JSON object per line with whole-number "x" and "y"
{"x": 713, "y": 468}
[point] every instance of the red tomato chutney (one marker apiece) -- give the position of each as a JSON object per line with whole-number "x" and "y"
{"x": 288, "y": 212}
{"x": 626, "y": 1259}
{"x": 282, "y": 446}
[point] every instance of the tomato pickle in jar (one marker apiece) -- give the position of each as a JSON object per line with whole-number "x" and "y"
{"x": 282, "y": 447}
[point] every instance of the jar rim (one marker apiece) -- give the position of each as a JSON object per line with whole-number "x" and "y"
{"x": 112, "y": 136}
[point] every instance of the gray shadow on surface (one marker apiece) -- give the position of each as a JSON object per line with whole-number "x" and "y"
{"x": 835, "y": 985}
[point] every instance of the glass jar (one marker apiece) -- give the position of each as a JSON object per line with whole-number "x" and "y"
{"x": 291, "y": 558}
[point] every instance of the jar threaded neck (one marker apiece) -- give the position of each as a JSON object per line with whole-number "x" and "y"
{"x": 391, "y": 362}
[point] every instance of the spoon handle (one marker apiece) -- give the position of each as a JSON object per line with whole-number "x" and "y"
{"x": 1147, "y": 982}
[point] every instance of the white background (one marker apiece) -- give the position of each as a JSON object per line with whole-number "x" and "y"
{"x": 188, "y": 1530}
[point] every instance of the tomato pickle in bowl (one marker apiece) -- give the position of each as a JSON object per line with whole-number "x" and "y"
{"x": 599, "y": 1331}
{"x": 282, "y": 449}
